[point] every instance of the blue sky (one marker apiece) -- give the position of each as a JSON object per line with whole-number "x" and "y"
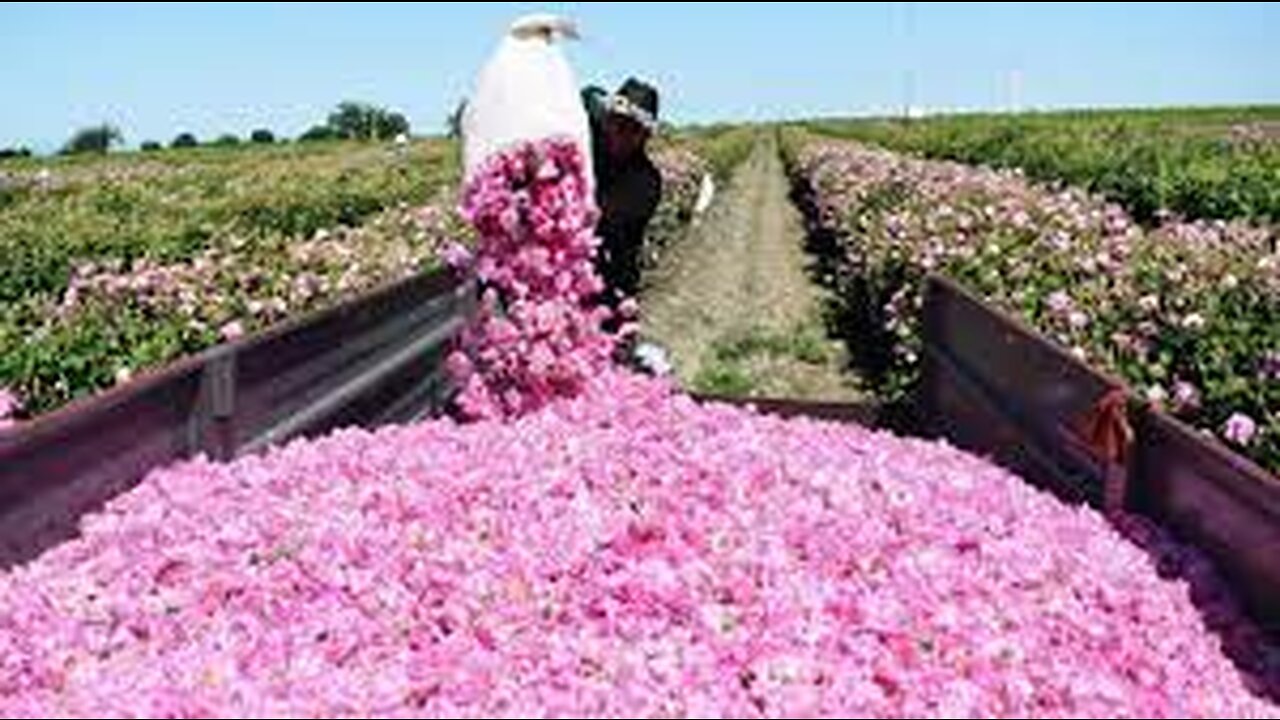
{"x": 157, "y": 69}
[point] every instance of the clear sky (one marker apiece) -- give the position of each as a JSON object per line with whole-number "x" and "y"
{"x": 160, "y": 68}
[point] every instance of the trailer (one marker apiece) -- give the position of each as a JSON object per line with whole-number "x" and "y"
{"x": 990, "y": 385}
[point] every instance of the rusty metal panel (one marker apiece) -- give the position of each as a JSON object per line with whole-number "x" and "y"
{"x": 59, "y": 466}
{"x": 995, "y": 387}
{"x": 375, "y": 359}
{"x": 310, "y": 379}
{"x": 1216, "y": 499}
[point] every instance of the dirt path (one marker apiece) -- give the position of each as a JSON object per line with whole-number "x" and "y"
{"x": 733, "y": 302}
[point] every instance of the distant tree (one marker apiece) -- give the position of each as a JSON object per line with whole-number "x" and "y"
{"x": 14, "y": 152}
{"x": 390, "y": 125}
{"x": 362, "y": 121}
{"x": 353, "y": 121}
{"x": 151, "y": 146}
{"x": 226, "y": 140}
{"x": 96, "y": 139}
{"x": 184, "y": 140}
{"x": 317, "y": 133}
{"x": 262, "y": 136}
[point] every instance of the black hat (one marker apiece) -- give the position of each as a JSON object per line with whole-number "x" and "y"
{"x": 636, "y": 100}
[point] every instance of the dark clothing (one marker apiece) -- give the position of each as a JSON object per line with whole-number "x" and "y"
{"x": 627, "y": 194}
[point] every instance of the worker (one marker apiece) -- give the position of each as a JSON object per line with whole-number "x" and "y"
{"x": 628, "y": 185}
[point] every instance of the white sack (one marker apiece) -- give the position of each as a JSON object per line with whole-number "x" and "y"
{"x": 525, "y": 92}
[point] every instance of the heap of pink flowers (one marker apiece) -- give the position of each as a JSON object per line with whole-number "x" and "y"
{"x": 624, "y": 553}
{"x": 539, "y": 332}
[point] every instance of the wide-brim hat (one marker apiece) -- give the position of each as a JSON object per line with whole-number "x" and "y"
{"x": 635, "y": 100}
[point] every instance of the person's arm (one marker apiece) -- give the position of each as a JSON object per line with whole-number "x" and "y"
{"x": 593, "y": 102}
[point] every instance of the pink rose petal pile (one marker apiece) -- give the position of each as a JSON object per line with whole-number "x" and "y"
{"x": 625, "y": 553}
{"x": 538, "y": 334}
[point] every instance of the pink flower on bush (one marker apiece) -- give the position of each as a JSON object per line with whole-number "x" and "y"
{"x": 1240, "y": 429}
{"x": 10, "y": 405}
{"x": 1185, "y": 395}
{"x": 1060, "y": 303}
{"x": 232, "y": 331}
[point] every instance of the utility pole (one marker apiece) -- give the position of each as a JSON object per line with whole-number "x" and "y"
{"x": 909, "y": 69}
